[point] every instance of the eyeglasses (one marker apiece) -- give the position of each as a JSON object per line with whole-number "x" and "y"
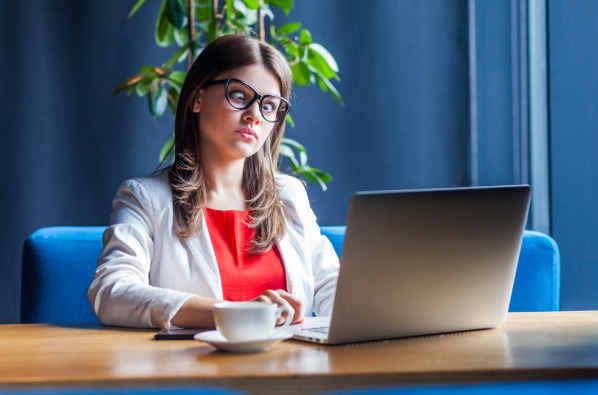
{"x": 241, "y": 96}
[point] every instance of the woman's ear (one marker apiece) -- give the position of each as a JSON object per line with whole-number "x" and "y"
{"x": 196, "y": 106}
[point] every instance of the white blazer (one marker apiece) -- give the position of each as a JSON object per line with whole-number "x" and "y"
{"x": 145, "y": 272}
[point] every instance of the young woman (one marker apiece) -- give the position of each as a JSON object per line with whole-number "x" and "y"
{"x": 221, "y": 223}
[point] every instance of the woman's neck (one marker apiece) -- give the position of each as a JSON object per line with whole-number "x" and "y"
{"x": 225, "y": 186}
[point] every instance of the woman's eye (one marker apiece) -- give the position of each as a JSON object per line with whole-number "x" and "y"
{"x": 237, "y": 96}
{"x": 268, "y": 108}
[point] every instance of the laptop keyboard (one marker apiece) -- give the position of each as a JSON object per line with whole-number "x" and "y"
{"x": 322, "y": 329}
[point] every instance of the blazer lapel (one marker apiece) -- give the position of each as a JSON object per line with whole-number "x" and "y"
{"x": 203, "y": 252}
{"x": 292, "y": 265}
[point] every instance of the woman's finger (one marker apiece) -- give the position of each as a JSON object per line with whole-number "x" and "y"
{"x": 281, "y": 297}
{"x": 263, "y": 298}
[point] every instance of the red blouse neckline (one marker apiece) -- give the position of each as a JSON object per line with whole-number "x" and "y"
{"x": 244, "y": 275}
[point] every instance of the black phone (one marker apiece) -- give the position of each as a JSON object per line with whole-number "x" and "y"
{"x": 177, "y": 334}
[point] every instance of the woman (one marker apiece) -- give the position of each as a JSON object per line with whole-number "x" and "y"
{"x": 221, "y": 223}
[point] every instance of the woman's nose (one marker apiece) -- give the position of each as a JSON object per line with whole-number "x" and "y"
{"x": 253, "y": 114}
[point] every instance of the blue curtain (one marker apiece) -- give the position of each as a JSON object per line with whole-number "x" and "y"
{"x": 67, "y": 143}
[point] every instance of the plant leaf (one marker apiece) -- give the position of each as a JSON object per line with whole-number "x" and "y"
{"x": 292, "y": 49}
{"x": 164, "y": 33}
{"x": 167, "y": 150}
{"x": 240, "y": 26}
{"x": 323, "y": 52}
{"x": 173, "y": 97}
{"x": 181, "y": 36}
{"x": 288, "y": 28}
{"x": 284, "y": 5}
{"x": 252, "y": 4}
{"x": 197, "y": 48}
{"x": 325, "y": 83}
{"x": 288, "y": 153}
{"x": 128, "y": 82}
{"x": 212, "y": 30}
{"x": 325, "y": 177}
{"x": 159, "y": 71}
{"x": 250, "y": 18}
{"x": 290, "y": 121}
{"x": 301, "y": 73}
{"x": 314, "y": 177}
{"x": 230, "y": 8}
{"x": 321, "y": 84}
{"x": 177, "y": 78}
{"x": 303, "y": 158}
{"x": 294, "y": 143}
{"x": 240, "y": 8}
{"x": 136, "y": 7}
{"x": 203, "y": 10}
{"x": 305, "y": 37}
{"x": 180, "y": 53}
{"x": 333, "y": 91}
{"x": 157, "y": 99}
{"x": 318, "y": 62}
{"x": 267, "y": 11}
{"x": 177, "y": 13}
{"x": 142, "y": 87}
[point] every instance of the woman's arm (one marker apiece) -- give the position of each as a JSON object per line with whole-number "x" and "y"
{"x": 121, "y": 293}
{"x": 196, "y": 312}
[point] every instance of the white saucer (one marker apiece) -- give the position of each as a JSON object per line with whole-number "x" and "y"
{"x": 217, "y": 340}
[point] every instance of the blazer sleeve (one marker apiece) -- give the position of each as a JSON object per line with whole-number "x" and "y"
{"x": 325, "y": 266}
{"x": 120, "y": 293}
{"x": 321, "y": 254}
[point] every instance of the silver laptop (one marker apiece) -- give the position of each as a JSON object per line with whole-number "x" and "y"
{"x": 424, "y": 262}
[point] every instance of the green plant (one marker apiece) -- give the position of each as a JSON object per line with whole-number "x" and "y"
{"x": 192, "y": 24}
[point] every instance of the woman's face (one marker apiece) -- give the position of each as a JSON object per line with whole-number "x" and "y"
{"x": 226, "y": 133}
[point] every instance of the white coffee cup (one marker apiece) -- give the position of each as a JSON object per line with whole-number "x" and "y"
{"x": 243, "y": 321}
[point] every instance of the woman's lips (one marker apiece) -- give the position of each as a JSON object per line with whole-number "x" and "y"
{"x": 247, "y": 133}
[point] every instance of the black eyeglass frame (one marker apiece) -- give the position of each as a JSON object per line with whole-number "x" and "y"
{"x": 256, "y": 96}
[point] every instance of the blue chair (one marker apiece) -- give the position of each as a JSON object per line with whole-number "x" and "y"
{"x": 58, "y": 267}
{"x": 537, "y": 281}
{"x": 565, "y": 387}
{"x": 59, "y": 263}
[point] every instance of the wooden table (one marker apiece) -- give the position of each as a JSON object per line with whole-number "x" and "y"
{"x": 552, "y": 345}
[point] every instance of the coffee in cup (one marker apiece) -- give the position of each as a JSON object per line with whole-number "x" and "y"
{"x": 244, "y": 321}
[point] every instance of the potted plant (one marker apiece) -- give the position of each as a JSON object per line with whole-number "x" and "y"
{"x": 191, "y": 24}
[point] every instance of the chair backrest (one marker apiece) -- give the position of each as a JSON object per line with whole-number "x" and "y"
{"x": 58, "y": 267}
{"x": 537, "y": 281}
{"x": 59, "y": 263}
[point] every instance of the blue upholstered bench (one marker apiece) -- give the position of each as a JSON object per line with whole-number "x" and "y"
{"x": 59, "y": 262}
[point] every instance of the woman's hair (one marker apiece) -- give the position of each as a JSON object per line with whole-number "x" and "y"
{"x": 187, "y": 179}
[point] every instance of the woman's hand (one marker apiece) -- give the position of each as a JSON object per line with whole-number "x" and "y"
{"x": 281, "y": 297}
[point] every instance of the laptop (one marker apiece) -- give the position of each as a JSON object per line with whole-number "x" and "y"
{"x": 424, "y": 262}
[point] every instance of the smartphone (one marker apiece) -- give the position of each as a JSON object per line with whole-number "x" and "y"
{"x": 177, "y": 334}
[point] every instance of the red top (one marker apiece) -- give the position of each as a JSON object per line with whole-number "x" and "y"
{"x": 244, "y": 276}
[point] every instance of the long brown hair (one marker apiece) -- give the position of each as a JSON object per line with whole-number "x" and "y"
{"x": 186, "y": 175}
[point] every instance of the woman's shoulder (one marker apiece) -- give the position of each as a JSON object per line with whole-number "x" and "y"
{"x": 289, "y": 185}
{"x": 292, "y": 193}
{"x": 151, "y": 187}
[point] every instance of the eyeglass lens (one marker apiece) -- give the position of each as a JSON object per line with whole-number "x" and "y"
{"x": 241, "y": 96}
